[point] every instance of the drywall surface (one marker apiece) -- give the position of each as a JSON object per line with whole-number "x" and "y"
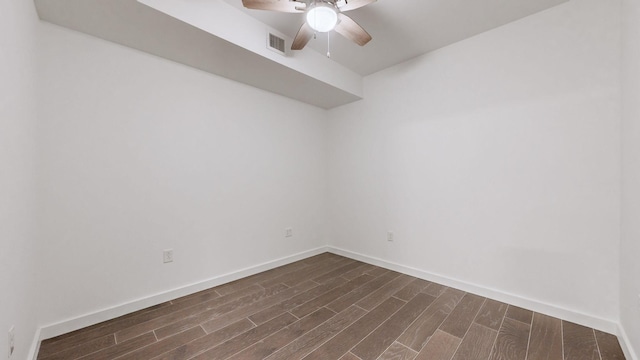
{"x": 141, "y": 154}
{"x": 18, "y": 156}
{"x": 630, "y": 244}
{"x": 212, "y": 36}
{"x": 495, "y": 161}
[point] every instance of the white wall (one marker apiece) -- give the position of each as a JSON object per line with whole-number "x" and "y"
{"x": 630, "y": 245}
{"x": 17, "y": 173}
{"x": 495, "y": 161}
{"x": 141, "y": 154}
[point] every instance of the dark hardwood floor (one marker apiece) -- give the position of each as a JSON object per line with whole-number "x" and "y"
{"x": 330, "y": 307}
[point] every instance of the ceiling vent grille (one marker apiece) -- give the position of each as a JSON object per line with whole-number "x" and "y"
{"x": 276, "y": 43}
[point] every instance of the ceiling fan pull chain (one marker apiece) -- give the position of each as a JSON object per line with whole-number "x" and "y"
{"x": 328, "y": 45}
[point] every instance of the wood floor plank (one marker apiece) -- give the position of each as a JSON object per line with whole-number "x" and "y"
{"x": 356, "y": 295}
{"x": 305, "y": 273}
{"x": 190, "y": 317}
{"x": 476, "y": 344}
{"x": 441, "y": 346}
{"x": 196, "y": 298}
{"x": 417, "y": 335}
{"x": 412, "y": 289}
{"x": 520, "y": 314}
{"x": 348, "y": 338}
{"x": 209, "y": 300}
{"x": 379, "y": 296}
{"x": 86, "y": 348}
{"x": 324, "y": 257}
{"x": 512, "y": 341}
{"x": 165, "y": 345}
{"x": 313, "y": 271}
{"x": 546, "y": 338}
{"x": 384, "y": 336}
{"x": 310, "y": 341}
{"x": 290, "y": 304}
{"x": 609, "y": 346}
{"x": 491, "y": 314}
{"x": 177, "y": 313}
{"x": 93, "y": 332}
{"x": 319, "y": 272}
{"x": 331, "y": 307}
{"x": 324, "y": 299}
{"x": 256, "y": 279}
{"x": 398, "y": 351}
{"x": 349, "y": 356}
{"x": 378, "y": 271}
{"x": 178, "y": 323}
{"x": 435, "y": 289}
{"x": 283, "y": 337}
{"x": 337, "y": 272}
{"x": 248, "y": 338}
{"x": 120, "y": 349}
{"x": 246, "y": 311}
{"x": 579, "y": 342}
{"x": 458, "y": 322}
{"x": 207, "y": 342}
{"x": 363, "y": 269}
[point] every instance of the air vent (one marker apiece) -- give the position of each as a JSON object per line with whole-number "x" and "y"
{"x": 276, "y": 43}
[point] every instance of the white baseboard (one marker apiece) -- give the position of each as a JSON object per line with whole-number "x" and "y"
{"x": 595, "y": 322}
{"x": 35, "y": 346}
{"x": 83, "y": 321}
{"x": 625, "y": 343}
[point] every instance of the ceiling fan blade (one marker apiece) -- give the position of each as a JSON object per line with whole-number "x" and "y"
{"x": 355, "y": 4}
{"x": 287, "y": 6}
{"x": 302, "y": 38}
{"x": 352, "y": 31}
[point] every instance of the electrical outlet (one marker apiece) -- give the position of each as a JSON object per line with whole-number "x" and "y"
{"x": 12, "y": 340}
{"x": 288, "y": 232}
{"x": 168, "y": 256}
{"x": 389, "y": 235}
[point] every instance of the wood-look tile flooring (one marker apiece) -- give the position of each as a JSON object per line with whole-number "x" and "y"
{"x": 330, "y": 307}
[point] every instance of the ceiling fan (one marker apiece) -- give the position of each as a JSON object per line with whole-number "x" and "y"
{"x": 321, "y": 16}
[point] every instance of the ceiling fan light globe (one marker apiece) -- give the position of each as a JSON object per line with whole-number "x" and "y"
{"x": 322, "y": 18}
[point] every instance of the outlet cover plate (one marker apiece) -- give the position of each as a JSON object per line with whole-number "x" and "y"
{"x": 288, "y": 232}
{"x": 167, "y": 256}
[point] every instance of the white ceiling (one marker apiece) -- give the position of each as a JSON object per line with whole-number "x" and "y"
{"x": 223, "y": 38}
{"x": 403, "y": 29}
